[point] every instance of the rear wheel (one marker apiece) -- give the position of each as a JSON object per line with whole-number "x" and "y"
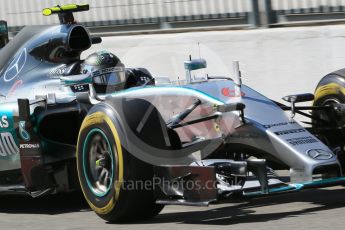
{"x": 110, "y": 177}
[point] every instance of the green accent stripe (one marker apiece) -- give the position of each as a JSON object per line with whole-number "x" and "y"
{"x": 299, "y": 186}
{"x": 85, "y": 154}
{"x": 119, "y": 93}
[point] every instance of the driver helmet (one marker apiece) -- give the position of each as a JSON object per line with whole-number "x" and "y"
{"x": 107, "y": 70}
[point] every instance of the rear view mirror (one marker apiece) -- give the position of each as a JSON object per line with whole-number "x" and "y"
{"x": 3, "y": 33}
{"x": 195, "y": 64}
{"x": 195, "y": 70}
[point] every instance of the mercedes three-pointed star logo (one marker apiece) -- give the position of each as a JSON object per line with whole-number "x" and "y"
{"x": 15, "y": 66}
{"x": 319, "y": 154}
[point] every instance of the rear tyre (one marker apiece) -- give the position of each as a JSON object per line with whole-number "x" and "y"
{"x": 103, "y": 168}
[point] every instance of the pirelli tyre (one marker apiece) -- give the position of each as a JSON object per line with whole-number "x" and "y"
{"x": 329, "y": 92}
{"x": 104, "y": 166}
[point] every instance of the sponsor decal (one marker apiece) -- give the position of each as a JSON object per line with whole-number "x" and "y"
{"x": 279, "y": 124}
{"x": 30, "y": 146}
{"x": 78, "y": 87}
{"x": 301, "y": 140}
{"x": 15, "y": 66}
{"x": 290, "y": 131}
{"x": 319, "y": 154}
{"x": 144, "y": 79}
{"x": 58, "y": 72}
{"x": 4, "y": 122}
{"x": 15, "y": 86}
{"x": 7, "y": 145}
{"x": 107, "y": 70}
{"x": 230, "y": 92}
{"x": 22, "y": 132}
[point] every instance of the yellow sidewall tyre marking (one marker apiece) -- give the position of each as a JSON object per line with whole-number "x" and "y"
{"x": 329, "y": 89}
{"x": 98, "y": 118}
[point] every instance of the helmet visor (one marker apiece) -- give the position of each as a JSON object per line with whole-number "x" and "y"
{"x": 109, "y": 77}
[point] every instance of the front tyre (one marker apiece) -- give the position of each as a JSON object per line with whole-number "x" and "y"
{"x": 103, "y": 167}
{"x": 331, "y": 92}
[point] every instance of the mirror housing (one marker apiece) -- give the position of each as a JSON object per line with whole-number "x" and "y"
{"x": 81, "y": 79}
{"x": 299, "y": 98}
{"x": 195, "y": 64}
{"x": 192, "y": 65}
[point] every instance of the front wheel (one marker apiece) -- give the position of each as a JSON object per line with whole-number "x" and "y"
{"x": 331, "y": 92}
{"x": 105, "y": 167}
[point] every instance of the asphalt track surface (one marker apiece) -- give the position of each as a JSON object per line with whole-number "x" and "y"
{"x": 312, "y": 209}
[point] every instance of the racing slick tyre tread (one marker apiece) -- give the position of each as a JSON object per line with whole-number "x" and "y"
{"x": 118, "y": 204}
{"x": 331, "y": 91}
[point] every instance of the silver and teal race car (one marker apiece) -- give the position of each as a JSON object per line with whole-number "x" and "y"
{"x": 133, "y": 146}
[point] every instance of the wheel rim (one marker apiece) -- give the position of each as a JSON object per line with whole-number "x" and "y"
{"x": 98, "y": 162}
{"x": 328, "y": 102}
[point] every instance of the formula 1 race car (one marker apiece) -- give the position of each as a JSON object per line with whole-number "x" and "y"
{"x": 133, "y": 146}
